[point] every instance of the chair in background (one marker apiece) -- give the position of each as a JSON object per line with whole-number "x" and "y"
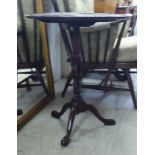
{"x": 102, "y": 52}
{"x": 29, "y": 47}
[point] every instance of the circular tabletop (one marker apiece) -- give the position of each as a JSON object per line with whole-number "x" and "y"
{"x": 77, "y": 18}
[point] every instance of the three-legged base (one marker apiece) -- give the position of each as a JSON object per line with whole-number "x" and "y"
{"x": 78, "y": 106}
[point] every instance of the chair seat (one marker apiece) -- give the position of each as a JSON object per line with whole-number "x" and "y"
{"x": 128, "y": 49}
{"x": 81, "y": 6}
{"x": 128, "y": 46}
{"x": 96, "y": 27}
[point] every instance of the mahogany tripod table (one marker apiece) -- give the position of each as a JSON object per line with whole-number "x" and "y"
{"x": 77, "y": 20}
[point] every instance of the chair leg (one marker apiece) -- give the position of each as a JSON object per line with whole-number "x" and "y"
{"x": 120, "y": 77}
{"x": 34, "y": 77}
{"x": 130, "y": 84}
{"x": 69, "y": 79}
{"x": 28, "y": 84}
{"x": 42, "y": 81}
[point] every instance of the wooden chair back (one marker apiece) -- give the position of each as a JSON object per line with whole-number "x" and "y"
{"x": 103, "y": 40}
{"x": 29, "y": 45}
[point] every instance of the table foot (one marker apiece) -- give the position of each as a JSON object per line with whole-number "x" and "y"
{"x": 65, "y": 141}
{"x": 57, "y": 115}
{"x": 96, "y": 113}
{"x": 19, "y": 112}
{"x": 109, "y": 122}
{"x": 77, "y": 108}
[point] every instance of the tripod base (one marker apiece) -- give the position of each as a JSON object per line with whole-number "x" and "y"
{"x": 77, "y": 106}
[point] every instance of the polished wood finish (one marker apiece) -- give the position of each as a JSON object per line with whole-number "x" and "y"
{"x": 77, "y": 105}
{"x": 74, "y": 18}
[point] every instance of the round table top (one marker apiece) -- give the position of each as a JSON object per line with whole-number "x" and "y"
{"x": 77, "y": 18}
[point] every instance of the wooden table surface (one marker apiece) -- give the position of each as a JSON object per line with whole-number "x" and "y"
{"x": 77, "y": 18}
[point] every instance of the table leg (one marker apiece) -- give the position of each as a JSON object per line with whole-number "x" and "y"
{"x": 77, "y": 105}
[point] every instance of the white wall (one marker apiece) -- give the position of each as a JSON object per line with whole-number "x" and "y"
{"x": 65, "y": 66}
{"x": 54, "y": 44}
{"x": 58, "y": 55}
{"x": 55, "y": 50}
